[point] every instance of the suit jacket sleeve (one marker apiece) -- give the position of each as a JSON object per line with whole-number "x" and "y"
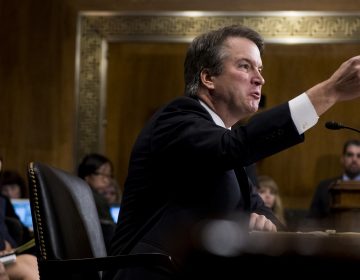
{"x": 185, "y": 130}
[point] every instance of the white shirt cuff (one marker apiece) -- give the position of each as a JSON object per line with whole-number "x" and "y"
{"x": 303, "y": 113}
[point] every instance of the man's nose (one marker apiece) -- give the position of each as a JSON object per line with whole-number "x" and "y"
{"x": 258, "y": 78}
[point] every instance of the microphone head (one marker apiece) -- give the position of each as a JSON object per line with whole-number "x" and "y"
{"x": 333, "y": 125}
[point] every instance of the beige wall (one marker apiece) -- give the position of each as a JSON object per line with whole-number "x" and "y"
{"x": 37, "y": 85}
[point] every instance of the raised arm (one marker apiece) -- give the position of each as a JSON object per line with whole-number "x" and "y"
{"x": 343, "y": 85}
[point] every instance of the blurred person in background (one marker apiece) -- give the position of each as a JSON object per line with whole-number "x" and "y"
{"x": 12, "y": 184}
{"x": 3, "y": 273}
{"x": 269, "y": 192}
{"x": 112, "y": 193}
{"x": 97, "y": 171}
{"x": 25, "y": 266}
{"x": 319, "y": 212}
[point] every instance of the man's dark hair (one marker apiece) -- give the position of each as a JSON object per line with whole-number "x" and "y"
{"x": 206, "y": 51}
{"x": 351, "y": 142}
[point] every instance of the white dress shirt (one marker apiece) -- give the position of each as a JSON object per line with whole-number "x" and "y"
{"x": 302, "y": 113}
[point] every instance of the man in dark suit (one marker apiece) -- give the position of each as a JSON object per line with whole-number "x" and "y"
{"x": 319, "y": 212}
{"x": 186, "y": 167}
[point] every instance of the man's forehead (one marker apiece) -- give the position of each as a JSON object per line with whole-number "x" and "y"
{"x": 353, "y": 147}
{"x": 243, "y": 48}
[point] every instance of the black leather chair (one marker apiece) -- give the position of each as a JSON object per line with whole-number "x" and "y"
{"x": 67, "y": 231}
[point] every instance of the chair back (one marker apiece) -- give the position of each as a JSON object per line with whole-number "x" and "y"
{"x": 67, "y": 230}
{"x": 66, "y": 222}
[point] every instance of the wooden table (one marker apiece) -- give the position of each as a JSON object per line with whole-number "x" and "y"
{"x": 345, "y": 205}
{"x": 284, "y": 255}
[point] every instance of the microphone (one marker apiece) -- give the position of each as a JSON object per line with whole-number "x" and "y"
{"x": 335, "y": 126}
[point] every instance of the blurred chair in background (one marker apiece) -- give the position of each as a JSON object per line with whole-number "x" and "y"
{"x": 67, "y": 230}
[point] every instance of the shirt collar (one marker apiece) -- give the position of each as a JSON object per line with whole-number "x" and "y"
{"x": 346, "y": 178}
{"x": 217, "y": 120}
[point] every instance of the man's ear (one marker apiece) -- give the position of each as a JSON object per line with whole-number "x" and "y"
{"x": 206, "y": 79}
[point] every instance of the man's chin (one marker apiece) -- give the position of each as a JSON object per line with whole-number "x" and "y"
{"x": 353, "y": 174}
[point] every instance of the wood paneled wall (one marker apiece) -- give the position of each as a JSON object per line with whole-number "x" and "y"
{"x": 37, "y": 86}
{"x": 37, "y": 104}
{"x": 141, "y": 78}
{"x": 290, "y": 70}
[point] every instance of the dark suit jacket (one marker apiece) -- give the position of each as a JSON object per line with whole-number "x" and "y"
{"x": 4, "y": 232}
{"x": 181, "y": 172}
{"x": 320, "y": 204}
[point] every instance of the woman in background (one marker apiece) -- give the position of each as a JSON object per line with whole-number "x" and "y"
{"x": 269, "y": 192}
{"x": 112, "y": 193}
{"x": 12, "y": 184}
{"x": 97, "y": 171}
{"x": 25, "y": 266}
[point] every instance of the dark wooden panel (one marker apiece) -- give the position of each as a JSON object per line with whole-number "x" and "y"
{"x": 141, "y": 78}
{"x": 290, "y": 70}
{"x": 37, "y": 102}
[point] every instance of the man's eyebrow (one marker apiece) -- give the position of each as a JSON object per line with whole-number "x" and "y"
{"x": 250, "y": 62}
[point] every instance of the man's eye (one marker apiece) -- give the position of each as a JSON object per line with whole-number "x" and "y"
{"x": 245, "y": 66}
